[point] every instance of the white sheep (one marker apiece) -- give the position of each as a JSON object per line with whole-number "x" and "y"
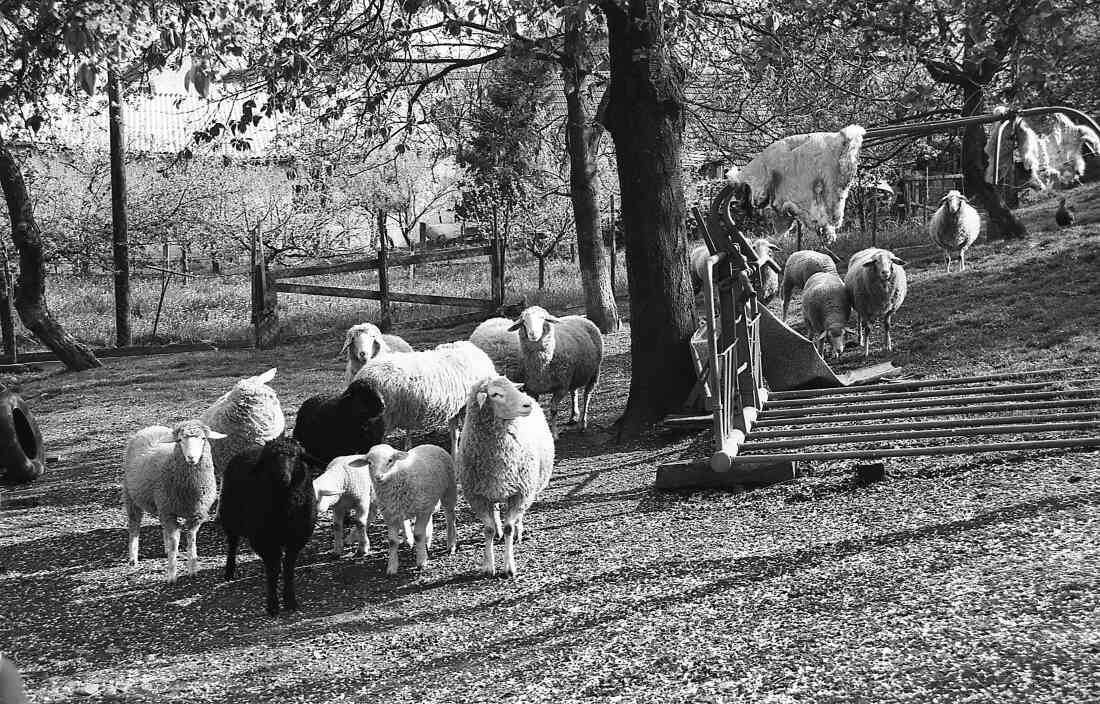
{"x": 800, "y": 266}
{"x": 826, "y": 307}
{"x": 505, "y": 456}
{"x": 411, "y": 486}
{"x": 425, "y": 390}
{"x": 169, "y": 473}
{"x": 954, "y": 227}
{"x": 364, "y": 342}
{"x": 249, "y": 414}
{"x": 345, "y": 487}
{"x": 877, "y": 284}
{"x": 561, "y": 356}
{"x": 496, "y": 338}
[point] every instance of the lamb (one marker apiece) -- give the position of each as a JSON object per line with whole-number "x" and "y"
{"x": 423, "y": 390}
{"x": 877, "y": 284}
{"x": 249, "y": 414}
{"x": 769, "y": 279}
{"x": 411, "y": 486}
{"x": 826, "y": 307}
{"x": 800, "y": 266}
{"x": 345, "y": 487}
{"x": 364, "y": 342}
{"x": 954, "y": 227}
{"x": 348, "y": 423}
{"x": 495, "y": 338}
{"x": 169, "y": 473}
{"x": 560, "y": 356}
{"x": 505, "y": 457}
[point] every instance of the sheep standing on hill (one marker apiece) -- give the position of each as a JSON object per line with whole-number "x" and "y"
{"x": 364, "y": 342}
{"x": 877, "y": 284}
{"x": 954, "y": 227}
{"x": 800, "y": 266}
{"x": 425, "y": 390}
{"x": 505, "y": 457}
{"x": 496, "y": 338}
{"x": 267, "y": 497}
{"x": 169, "y": 473}
{"x": 249, "y": 414}
{"x": 826, "y": 307}
{"x": 348, "y": 423}
{"x": 411, "y": 486}
{"x": 561, "y": 356}
{"x": 345, "y": 487}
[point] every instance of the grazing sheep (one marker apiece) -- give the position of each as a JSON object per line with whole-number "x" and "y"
{"x": 697, "y": 265}
{"x": 249, "y": 414}
{"x": 800, "y": 266}
{"x": 364, "y": 342}
{"x": 267, "y": 497}
{"x": 411, "y": 486}
{"x": 954, "y": 227}
{"x": 876, "y": 282}
{"x": 560, "y": 357}
{"x": 769, "y": 279}
{"x": 496, "y": 338}
{"x": 826, "y": 307}
{"x": 348, "y": 423}
{"x": 1065, "y": 215}
{"x": 345, "y": 487}
{"x": 169, "y": 473}
{"x": 424, "y": 390}
{"x": 505, "y": 457}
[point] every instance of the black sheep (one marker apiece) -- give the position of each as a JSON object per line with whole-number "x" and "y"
{"x": 267, "y": 497}
{"x": 349, "y": 423}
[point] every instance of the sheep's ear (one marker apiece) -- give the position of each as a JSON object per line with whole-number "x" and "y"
{"x": 516, "y": 326}
{"x": 519, "y": 386}
{"x": 376, "y": 347}
{"x": 945, "y": 197}
{"x": 898, "y": 261}
{"x": 552, "y": 319}
{"x": 344, "y": 349}
{"x": 774, "y": 247}
{"x": 481, "y": 398}
{"x": 358, "y": 462}
{"x": 215, "y": 435}
{"x": 267, "y": 376}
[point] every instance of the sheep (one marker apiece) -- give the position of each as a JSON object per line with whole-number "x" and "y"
{"x": 348, "y": 423}
{"x": 411, "y": 486}
{"x": 364, "y": 342}
{"x": 249, "y": 414}
{"x": 954, "y": 227}
{"x": 826, "y": 307}
{"x": 1064, "y": 216}
{"x": 769, "y": 279}
{"x": 505, "y": 456}
{"x": 495, "y": 338}
{"x": 345, "y": 487}
{"x": 169, "y": 473}
{"x": 877, "y": 285}
{"x": 560, "y": 357}
{"x": 267, "y": 497}
{"x": 798, "y": 269}
{"x": 697, "y": 265}
{"x": 424, "y": 390}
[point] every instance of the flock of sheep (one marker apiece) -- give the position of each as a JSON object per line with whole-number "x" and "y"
{"x": 268, "y": 487}
{"x": 874, "y": 284}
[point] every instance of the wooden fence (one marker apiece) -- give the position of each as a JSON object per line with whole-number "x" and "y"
{"x": 268, "y": 283}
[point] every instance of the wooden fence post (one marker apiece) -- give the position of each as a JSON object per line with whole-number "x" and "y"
{"x": 385, "y": 323}
{"x": 496, "y": 270}
{"x": 265, "y": 305}
{"x": 7, "y": 324}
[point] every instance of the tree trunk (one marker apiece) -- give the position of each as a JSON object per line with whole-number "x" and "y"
{"x": 645, "y": 115}
{"x": 1003, "y": 224}
{"x": 582, "y": 138}
{"x": 542, "y": 271}
{"x": 120, "y": 237}
{"x": 30, "y": 287}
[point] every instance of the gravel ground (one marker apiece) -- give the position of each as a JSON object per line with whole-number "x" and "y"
{"x": 957, "y": 579}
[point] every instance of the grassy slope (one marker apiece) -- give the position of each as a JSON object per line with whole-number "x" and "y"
{"x": 959, "y": 578}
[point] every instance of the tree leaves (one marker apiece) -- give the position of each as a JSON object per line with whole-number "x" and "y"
{"x": 86, "y": 76}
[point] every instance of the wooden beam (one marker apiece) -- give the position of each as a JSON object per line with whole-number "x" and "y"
{"x": 918, "y": 451}
{"x": 926, "y": 412}
{"x": 436, "y": 255}
{"x": 864, "y": 404}
{"x": 922, "y": 383}
{"x": 342, "y": 292}
{"x": 938, "y": 393}
{"x": 699, "y": 475}
{"x": 799, "y": 431}
{"x": 131, "y": 351}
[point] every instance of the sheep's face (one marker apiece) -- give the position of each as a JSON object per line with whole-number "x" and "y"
{"x": 953, "y": 201}
{"x": 836, "y": 337}
{"x": 369, "y": 402}
{"x": 191, "y": 437}
{"x": 505, "y": 398}
{"x": 534, "y": 324}
{"x": 382, "y": 458}
{"x": 283, "y": 460}
{"x": 882, "y": 265}
{"x": 362, "y": 343}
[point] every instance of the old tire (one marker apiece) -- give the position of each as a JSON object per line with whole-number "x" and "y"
{"x": 20, "y": 440}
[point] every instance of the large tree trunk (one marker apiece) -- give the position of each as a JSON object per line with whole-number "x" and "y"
{"x": 30, "y": 287}
{"x": 582, "y": 138}
{"x": 120, "y": 237}
{"x": 645, "y": 116}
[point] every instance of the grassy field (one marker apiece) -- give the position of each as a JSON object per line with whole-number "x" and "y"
{"x": 957, "y": 579}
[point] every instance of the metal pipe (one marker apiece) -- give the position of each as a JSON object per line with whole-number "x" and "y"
{"x": 871, "y": 428}
{"x": 920, "y": 383}
{"x": 927, "y": 412}
{"x": 923, "y": 403}
{"x": 966, "y": 391}
{"x": 893, "y": 435}
{"x": 917, "y": 451}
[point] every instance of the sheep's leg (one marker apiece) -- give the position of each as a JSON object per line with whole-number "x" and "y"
{"x": 486, "y": 513}
{"x": 271, "y": 574}
{"x": 395, "y": 531}
{"x": 407, "y": 525}
{"x": 962, "y": 260}
{"x": 193, "y": 549}
{"x": 786, "y": 305}
{"x": 889, "y": 343}
{"x": 421, "y": 532}
{"x": 452, "y": 536}
{"x": 947, "y": 258}
{"x": 428, "y": 531}
{"x": 133, "y": 513}
{"x": 408, "y": 439}
{"x": 555, "y": 401}
{"x": 589, "y": 389}
{"x": 171, "y": 532}
{"x": 452, "y": 429}
{"x": 363, "y": 542}
{"x": 232, "y": 542}
{"x": 574, "y": 408}
{"x": 865, "y": 335}
{"x": 512, "y": 518}
{"x": 290, "y": 597}
{"x": 338, "y": 532}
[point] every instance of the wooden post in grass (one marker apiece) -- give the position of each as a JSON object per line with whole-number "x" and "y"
{"x": 265, "y": 317}
{"x": 385, "y": 323}
{"x": 7, "y": 325}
